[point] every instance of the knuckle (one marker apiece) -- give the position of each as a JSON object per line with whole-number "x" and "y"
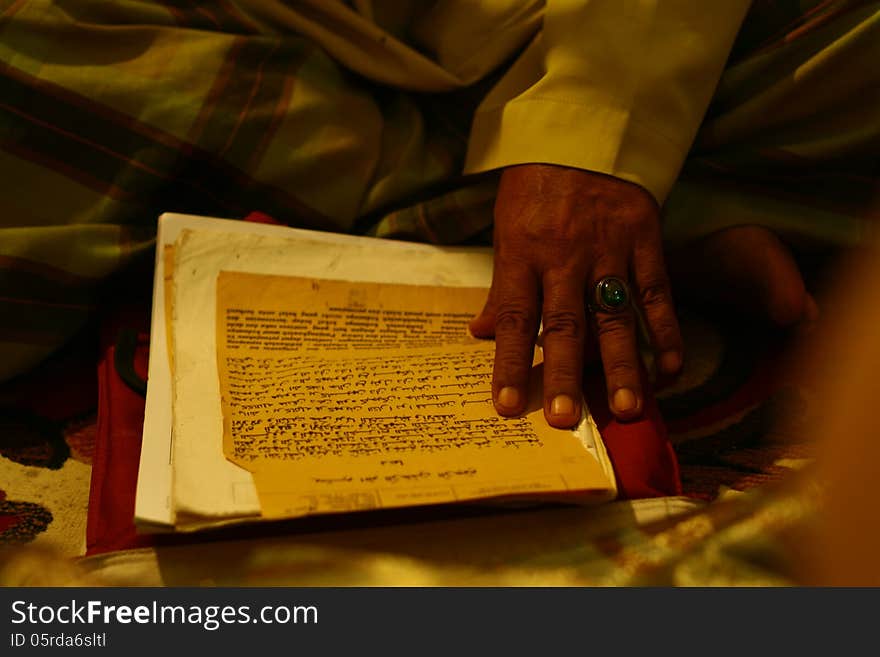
{"x": 564, "y": 324}
{"x": 565, "y": 378}
{"x": 642, "y": 205}
{"x": 562, "y": 362}
{"x": 515, "y": 320}
{"x": 666, "y": 332}
{"x": 655, "y": 293}
{"x": 638, "y": 213}
{"x": 511, "y": 369}
{"x": 613, "y": 326}
{"x": 646, "y": 209}
{"x": 620, "y": 368}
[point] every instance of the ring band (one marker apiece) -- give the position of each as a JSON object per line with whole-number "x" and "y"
{"x": 611, "y": 294}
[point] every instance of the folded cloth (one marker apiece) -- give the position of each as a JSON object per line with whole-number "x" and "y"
{"x": 122, "y": 369}
{"x": 644, "y": 461}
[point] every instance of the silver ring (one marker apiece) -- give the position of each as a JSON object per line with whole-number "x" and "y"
{"x": 611, "y": 295}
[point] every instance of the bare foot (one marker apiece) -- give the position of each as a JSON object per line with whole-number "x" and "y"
{"x": 744, "y": 269}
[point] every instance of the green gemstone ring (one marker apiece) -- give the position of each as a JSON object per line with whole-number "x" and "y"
{"x": 611, "y": 295}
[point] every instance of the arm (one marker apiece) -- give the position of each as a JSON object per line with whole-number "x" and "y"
{"x": 612, "y": 93}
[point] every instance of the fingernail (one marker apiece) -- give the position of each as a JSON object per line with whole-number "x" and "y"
{"x": 508, "y": 397}
{"x": 562, "y": 405}
{"x": 624, "y": 400}
{"x": 670, "y": 362}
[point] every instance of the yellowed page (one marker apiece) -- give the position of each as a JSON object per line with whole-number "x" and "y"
{"x": 207, "y": 489}
{"x": 342, "y": 396}
{"x": 206, "y": 486}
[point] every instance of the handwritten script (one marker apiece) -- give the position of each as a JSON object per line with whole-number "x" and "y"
{"x": 340, "y": 396}
{"x": 305, "y": 407}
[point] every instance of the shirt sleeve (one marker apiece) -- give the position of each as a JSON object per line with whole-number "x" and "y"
{"x": 614, "y": 86}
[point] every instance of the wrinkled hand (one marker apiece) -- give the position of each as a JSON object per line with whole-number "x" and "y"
{"x": 557, "y": 232}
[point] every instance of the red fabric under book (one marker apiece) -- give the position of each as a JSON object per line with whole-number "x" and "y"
{"x": 644, "y": 462}
{"x": 118, "y": 436}
{"x": 643, "y": 458}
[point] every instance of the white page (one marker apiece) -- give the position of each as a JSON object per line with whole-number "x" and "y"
{"x": 154, "y": 504}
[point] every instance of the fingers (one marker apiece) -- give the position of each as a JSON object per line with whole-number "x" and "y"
{"x": 512, "y": 315}
{"x": 564, "y": 326}
{"x": 616, "y": 333}
{"x": 517, "y": 316}
{"x": 655, "y": 298}
{"x": 483, "y": 325}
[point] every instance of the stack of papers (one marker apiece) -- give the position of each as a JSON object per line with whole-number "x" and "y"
{"x": 296, "y": 373}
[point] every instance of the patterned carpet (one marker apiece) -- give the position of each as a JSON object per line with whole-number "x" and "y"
{"x": 724, "y": 417}
{"x": 47, "y": 439}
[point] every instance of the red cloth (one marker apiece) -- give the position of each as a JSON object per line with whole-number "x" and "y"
{"x": 644, "y": 462}
{"x": 117, "y": 448}
{"x": 643, "y": 458}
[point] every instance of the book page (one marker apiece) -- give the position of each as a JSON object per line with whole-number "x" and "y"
{"x": 206, "y": 488}
{"x": 341, "y": 396}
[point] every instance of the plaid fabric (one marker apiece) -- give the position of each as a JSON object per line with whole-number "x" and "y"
{"x": 111, "y": 113}
{"x": 790, "y": 139}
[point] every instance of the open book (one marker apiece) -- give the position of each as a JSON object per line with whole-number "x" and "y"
{"x": 295, "y": 373}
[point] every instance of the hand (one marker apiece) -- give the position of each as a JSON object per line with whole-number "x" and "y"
{"x": 558, "y": 231}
